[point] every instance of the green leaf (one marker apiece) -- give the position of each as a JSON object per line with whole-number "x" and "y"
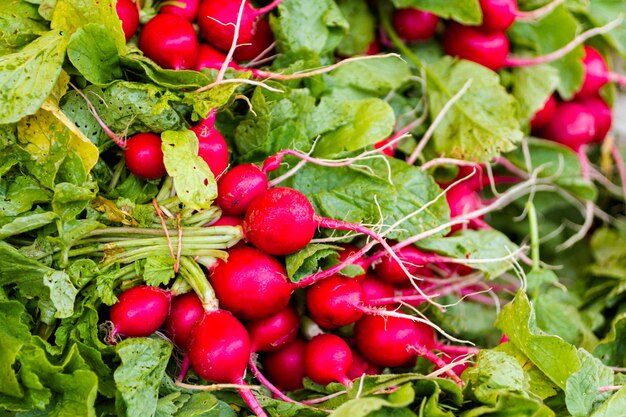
{"x": 482, "y": 123}
{"x": 362, "y": 27}
{"x": 542, "y": 39}
{"x": 71, "y": 15}
{"x": 205, "y": 404}
{"x": 194, "y": 182}
{"x": 158, "y": 270}
{"x": 581, "y": 391}
{"x": 463, "y": 11}
{"x": 24, "y": 273}
{"x": 358, "y": 195}
{"x": 557, "y": 162}
{"x": 19, "y": 24}
{"x": 600, "y": 13}
{"x": 62, "y": 293}
{"x": 69, "y": 200}
{"x": 312, "y": 258}
{"x": 475, "y": 244}
{"x": 612, "y": 348}
{"x": 13, "y": 335}
{"x": 365, "y": 122}
{"x": 27, "y": 77}
{"x": 148, "y": 70}
{"x": 615, "y": 405}
{"x": 22, "y": 193}
{"x": 139, "y": 376}
{"x": 26, "y": 223}
{"x": 305, "y": 25}
{"x": 94, "y": 54}
{"x": 532, "y": 86}
{"x": 557, "y": 359}
{"x": 362, "y": 407}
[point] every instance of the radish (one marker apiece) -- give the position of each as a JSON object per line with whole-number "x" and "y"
{"x": 361, "y": 366}
{"x": 129, "y": 15}
{"x": 251, "y": 284}
{"x": 573, "y": 125}
{"x": 602, "y": 115}
{"x": 226, "y": 220}
{"x": 285, "y": 367}
{"x": 543, "y": 116}
{"x": 144, "y": 157}
{"x": 335, "y": 302}
{"x": 327, "y": 358}
{"x": 273, "y": 333}
{"x": 394, "y": 341}
{"x": 596, "y": 73}
{"x": 217, "y": 19}
{"x": 210, "y": 58}
{"x": 212, "y": 147}
{"x": 374, "y": 289}
{"x": 414, "y": 260}
{"x": 185, "y": 311}
{"x": 498, "y": 15}
{"x": 413, "y": 24}
{"x": 488, "y": 49}
{"x": 170, "y": 41}
{"x": 281, "y": 221}
{"x": 238, "y": 187}
{"x": 261, "y": 42}
{"x": 187, "y": 9}
{"x": 140, "y": 311}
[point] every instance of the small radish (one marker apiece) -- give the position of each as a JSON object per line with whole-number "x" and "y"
{"x": 285, "y": 367}
{"x": 488, "y": 49}
{"x": 273, "y": 333}
{"x": 140, "y": 311}
{"x": 227, "y": 220}
{"x": 170, "y": 41}
{"x": 373, "y": 48}
{"x": 129, "y": 15}
{"x": 327, "y": 358}
{"x": 596, "y": 73}
{"x": 498, "y": 15}
{"x": 281, "y": 221}
{"x": 144, "y": 157}
{"x": 602, "y": 115}
{"x": 374, "y": 289}
{"x": 187, "y": 9}
{"x": 413, "y": 24}
{"x": 543, "y": 116}
{"x": 238, "y": 187}
{"x": 210, "y": 58}
{"x": 262, "y": 41}
{"x": 573, "y": 125}
{"x": 414, "y": 260}
{"x": 394, "y": 341}
{"x": 212, "y": 147}
{"x": 361, "y": 366}
{"x": 185, "y": 311}
{"x": 335, "y": 302}
{"x": 251, "y": 284}
{"x": 217, "y": 19}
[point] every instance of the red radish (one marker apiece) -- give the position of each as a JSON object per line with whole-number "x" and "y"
{"x": 285, "y": 367}
{"x": 602, "y": 116}
{"x": 543, "y": 116}
{"x": 185, "y": 312}
{"x": 262, "y": 40}
{"x": 210, "y": 58}
{"x": 144, "y": 157}
{"x": 226, "y": 220}
{"x": 281, "y": 221}
{"x": 129, "y": 15}
{"x": 251, "y": 284}
{"x": 217, "y": 19}
{"x": 488, "y": 49}
{"x": 140, "y": 311}
{"x": 596, "y": 73}
{"x": 394, "y": 341}
{"x": 361, "y": 262}
{"x": 374, "y": 289}
{"x": 413, "y": 24}
{"x": 387, "y": 150}
{"x": 498, "y": 15}
{"x": 327, "y": 358}
{"x": 170, "y": 41}
{"x": 273, "y": 333}
{"x": 373, "y": 48}
{"x": 414, "y": 260}
{"x": 187, "y": 9}
{"x": 361, "y": 366}
{"x": 212, "y": 147}
{"x": 335, "y": 302}
{"x": 573, "y": 125}
{"x": 238, "y": 187}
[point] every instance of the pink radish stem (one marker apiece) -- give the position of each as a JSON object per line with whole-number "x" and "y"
{"x": 617, "y": 78}
{"x": 266, "y": 383}
{"x": 250, "y": 399}
{"x": 184, "y": 368}
{"x": 268, "y": 8}
{"x": 439, "y": 363}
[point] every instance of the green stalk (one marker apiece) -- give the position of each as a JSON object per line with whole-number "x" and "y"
{"x": 195, "y": 277}
{"x": 534, "y": 236}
